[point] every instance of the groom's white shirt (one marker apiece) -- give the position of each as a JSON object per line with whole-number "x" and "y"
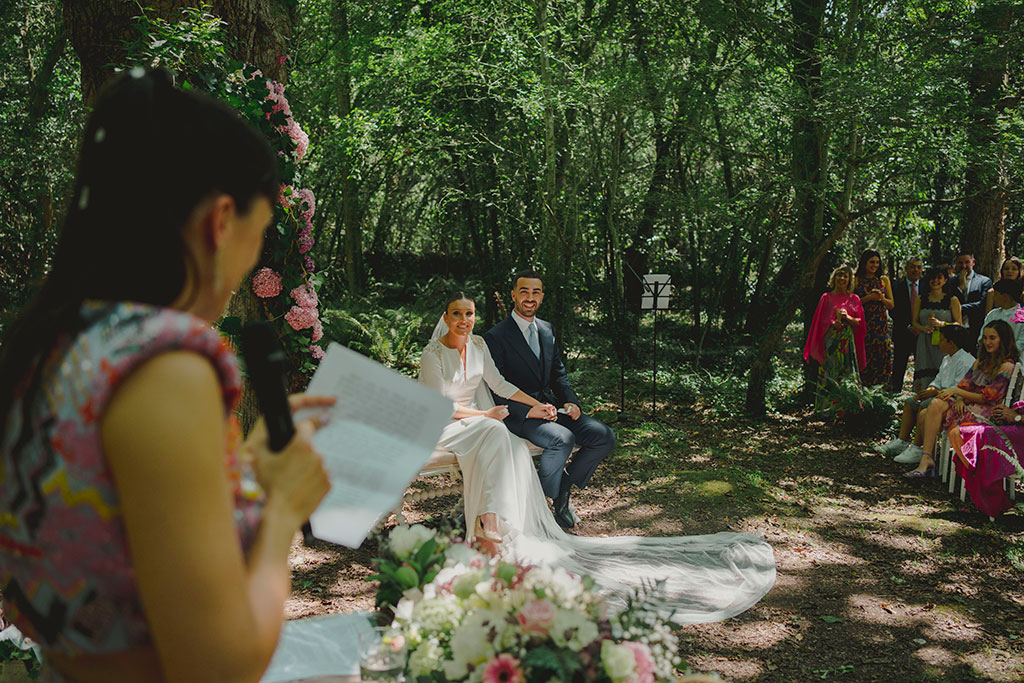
{"x": 524, "y": 326}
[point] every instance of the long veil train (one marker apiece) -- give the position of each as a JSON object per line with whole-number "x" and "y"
{"x": 706, "y": 578}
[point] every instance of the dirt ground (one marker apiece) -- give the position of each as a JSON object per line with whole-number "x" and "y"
{"x": 878, "y": 580}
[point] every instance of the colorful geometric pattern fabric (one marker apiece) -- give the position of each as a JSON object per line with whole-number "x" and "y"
{"x": 65, "y": 568}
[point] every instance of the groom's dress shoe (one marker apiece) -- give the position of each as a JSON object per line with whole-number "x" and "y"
{"x": 562, "y": 513}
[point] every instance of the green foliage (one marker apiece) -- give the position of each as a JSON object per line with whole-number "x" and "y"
{"x": 865, "y": 411}
{"x": 562, "y": 663}
{"x": 394, "y": 337}
{"x": 9, "y": 652}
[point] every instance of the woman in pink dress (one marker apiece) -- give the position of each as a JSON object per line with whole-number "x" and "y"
{"x": 836, "y": 339}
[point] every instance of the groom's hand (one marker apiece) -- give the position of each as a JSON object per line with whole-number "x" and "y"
{"x": 543, "y": 411}
{"x": 572, "y": 410}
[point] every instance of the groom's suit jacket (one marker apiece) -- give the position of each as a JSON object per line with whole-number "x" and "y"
{"x": 544, "y": 379}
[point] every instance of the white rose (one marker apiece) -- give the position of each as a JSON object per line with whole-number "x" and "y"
{"x": 572, "y": 630}
{"x": 471, "y": 642}
{"x": 405, "y": 540}
{"x": 618, "y": 661}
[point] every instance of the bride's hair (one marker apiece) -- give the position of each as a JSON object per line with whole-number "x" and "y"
{"x": 457, "y": 296}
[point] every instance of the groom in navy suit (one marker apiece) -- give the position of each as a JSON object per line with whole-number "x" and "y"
{"x": 525, "y": 352}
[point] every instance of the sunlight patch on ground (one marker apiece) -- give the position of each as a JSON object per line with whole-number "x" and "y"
{"x": 730, "y": 669}
{"x": 997, "y": 665}
{"x": 715, "y": 488}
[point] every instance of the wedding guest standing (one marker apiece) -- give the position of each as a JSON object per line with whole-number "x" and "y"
{"x": 130, "y": 550}
{"x": 875, "y": 292}
{"x": 905, "y": 292}
{"x": 936, "y": 307}
{"x": 970, "y": 287}
{"x": 836, "y": 339}
{"x": 1012, "y": 269}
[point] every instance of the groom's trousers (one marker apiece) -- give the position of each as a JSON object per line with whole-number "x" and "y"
{"x": 558, "y": 438}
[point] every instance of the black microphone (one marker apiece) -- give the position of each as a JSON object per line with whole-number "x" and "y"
{"x": 267, "y": 365}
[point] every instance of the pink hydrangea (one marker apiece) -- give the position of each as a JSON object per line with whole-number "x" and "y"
{"x": 284, "y": 197}
{"x": 305, "y": 196}
{"x": 305, "y": 296}
{"x": 316, "y": 352}
{"x": 305, "y": 243}
{"x": 318, "y": 330}
{"x": 301, "y": 318}
{"x": 503, "y": 669}
{"x": 275, "y": 93}
{"x": 266, "y": 283}
{"x": 643, "y": 671}
{"x": 310, "y": 266}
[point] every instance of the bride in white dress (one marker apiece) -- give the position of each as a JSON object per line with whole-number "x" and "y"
{"x": 706, "y": 578}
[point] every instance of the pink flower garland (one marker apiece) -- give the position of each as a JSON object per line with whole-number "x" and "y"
{"x": 290, "y": 128}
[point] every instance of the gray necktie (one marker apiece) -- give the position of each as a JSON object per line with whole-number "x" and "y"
{"x": 532, "y": 340}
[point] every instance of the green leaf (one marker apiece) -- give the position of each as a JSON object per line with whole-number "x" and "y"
{"x": 506, "y": 572}
{"x": 407, "y": 577}
{"x": 831, "y": 620}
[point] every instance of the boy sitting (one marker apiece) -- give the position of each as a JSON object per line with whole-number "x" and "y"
{"x": 954, "y": 341}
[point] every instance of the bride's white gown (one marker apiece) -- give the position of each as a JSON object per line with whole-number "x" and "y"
{"x": 707, "y": 578}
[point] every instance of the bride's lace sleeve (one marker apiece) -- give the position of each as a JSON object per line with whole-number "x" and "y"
{"x": 430, "y": 369}
{"x": 492, "y": 377}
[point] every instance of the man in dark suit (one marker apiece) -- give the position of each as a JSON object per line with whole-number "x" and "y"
{"x": 970, "y": 287}
{"x": 525, "y": 352}
{"x": 904, "y": 337}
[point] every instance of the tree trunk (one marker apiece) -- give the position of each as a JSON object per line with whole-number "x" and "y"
{"x": 808, "y": 147}
{"x": 984, "y": 218}
{"x": 260, "y": 30}
{"x": 350, "y": 212}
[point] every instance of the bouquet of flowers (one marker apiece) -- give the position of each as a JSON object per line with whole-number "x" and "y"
{"x": 470, "y": 618}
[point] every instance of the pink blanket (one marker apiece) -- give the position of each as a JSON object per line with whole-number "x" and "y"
{"x": 986, "y": 467}
{"x": 825, "y": 315}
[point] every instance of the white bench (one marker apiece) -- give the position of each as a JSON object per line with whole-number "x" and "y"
{"x": 444, "y": 462}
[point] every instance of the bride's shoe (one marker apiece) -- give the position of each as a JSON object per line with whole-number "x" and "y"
{"x": 489, "y": 545}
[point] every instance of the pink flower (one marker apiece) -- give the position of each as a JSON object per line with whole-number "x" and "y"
{"x": 301, "y": 318}
{"x": 643, "y": 671}
{"x": 310, "y": 266}
{"x": 536, "y": 616}
{"x": 318, "y": 330}
{"x": 305, "y": 296}
{"x": 266, "y": 283}
{"x": 503, "y": 669}
{"x": 316, "y": 352}
{"x": 305, "y": 243}
{"x": 284, "y": 198}
{"x": 281, "y": 59}
{"x": 305, "y": 196}
{"x": 643, "y": 663}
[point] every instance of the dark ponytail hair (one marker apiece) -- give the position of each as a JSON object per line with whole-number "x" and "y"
{"x": 149, "y": 156}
